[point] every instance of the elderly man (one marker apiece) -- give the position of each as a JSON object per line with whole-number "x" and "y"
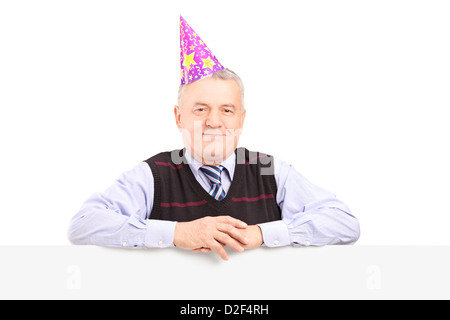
{"x": 212, "y": 194}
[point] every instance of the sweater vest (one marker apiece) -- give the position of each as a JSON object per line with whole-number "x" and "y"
{"x": 178, "y": 196}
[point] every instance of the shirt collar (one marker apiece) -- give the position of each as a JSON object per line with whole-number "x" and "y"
{"x": 229, "y": 164}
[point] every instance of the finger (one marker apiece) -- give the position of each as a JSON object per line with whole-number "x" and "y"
{"x": 228, "y": 241}
{"x": 233, "y": 232}
{"x": 204, "y": 250}
{"x": 219, "y": 249}
{"x": 233, "y": 221}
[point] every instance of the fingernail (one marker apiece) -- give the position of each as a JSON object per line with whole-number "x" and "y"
{"x": 246, "y": 240}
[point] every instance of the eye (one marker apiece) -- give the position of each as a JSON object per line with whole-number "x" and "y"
{"x": 199, "y": 110}
{"x": 228, "y": 111}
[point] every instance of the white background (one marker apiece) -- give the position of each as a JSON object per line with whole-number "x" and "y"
{"x": 354, "y": 94}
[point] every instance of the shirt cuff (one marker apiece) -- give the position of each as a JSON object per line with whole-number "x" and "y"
{"x": 275, "y": 234}
{"x": 160, "y": 233}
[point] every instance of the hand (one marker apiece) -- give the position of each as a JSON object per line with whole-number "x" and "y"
{"x": 211, "y": 233}
{"x": 252, "y": 233}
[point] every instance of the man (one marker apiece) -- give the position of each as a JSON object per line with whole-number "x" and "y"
{"x": 211, "y": 194}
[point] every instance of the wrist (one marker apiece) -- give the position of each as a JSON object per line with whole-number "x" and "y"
{"x": 177, "y": 234}
{"x": 254, "y": 235}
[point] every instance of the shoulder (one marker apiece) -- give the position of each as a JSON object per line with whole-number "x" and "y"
{"x": 245, "y": 156}
{"x": 270, "y": 164}
{"x": 167, "y": 158}
{"x": 136, "y": 179}
{"x": 260, "y": 162}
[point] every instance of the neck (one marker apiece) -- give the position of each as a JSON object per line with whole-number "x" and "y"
{"x": 212, "y": 160}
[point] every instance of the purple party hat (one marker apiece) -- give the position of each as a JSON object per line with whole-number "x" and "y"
{"x": 197, "y": 61}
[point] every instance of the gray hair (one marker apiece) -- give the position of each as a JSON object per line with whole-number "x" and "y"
{"x": 225, "y": 74}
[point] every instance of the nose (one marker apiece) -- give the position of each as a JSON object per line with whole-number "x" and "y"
{"x": 213, "y": 120}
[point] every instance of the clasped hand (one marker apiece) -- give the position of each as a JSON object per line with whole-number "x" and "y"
{"x": 214, "y": 233}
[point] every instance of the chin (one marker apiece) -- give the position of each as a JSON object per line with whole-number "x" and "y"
{"x": 213, "y": 152}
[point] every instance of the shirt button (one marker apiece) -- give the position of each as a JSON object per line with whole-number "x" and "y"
{"x": 307, "y": 242}
{"x": 276, "y": 242}
{"x": 124, "y": 244}
{"x": 160, "y": 242}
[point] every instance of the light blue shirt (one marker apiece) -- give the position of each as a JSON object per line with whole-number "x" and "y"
{"x": 119, "y": 216}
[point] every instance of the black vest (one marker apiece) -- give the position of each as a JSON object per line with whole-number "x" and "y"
{"x": 179, "y": 196}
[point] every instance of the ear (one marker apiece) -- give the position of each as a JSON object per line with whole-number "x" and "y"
{"x": 177, "y": 113}
{"x": 243, "y": 117}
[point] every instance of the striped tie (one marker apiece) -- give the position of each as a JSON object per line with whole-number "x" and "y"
{"x": 213, "y": 174}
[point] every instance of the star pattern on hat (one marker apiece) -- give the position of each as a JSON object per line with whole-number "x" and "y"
{"x": 197, "y": 60}
{"x": 188, "y": 61}
{"x": 208, "y": 63}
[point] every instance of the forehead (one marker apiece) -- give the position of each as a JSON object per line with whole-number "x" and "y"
{"x": 212, "y": 91}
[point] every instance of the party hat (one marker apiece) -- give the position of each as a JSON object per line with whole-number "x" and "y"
{"x": 197, "y": 61}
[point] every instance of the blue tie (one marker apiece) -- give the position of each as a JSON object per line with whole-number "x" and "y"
{"x": 213, "y": 174}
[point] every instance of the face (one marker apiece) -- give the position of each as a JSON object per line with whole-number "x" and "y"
{"x": 210, "y": 119}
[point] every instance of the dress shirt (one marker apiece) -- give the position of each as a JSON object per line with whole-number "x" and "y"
{"x": 119, "y": 216}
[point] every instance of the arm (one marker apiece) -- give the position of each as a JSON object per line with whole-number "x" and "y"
{"x": 310, "y": 215}
{"x": 117, "y": 217}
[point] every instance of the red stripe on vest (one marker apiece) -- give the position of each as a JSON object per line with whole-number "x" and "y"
{"x": 182, "y": 205}
{"x": 263, "y": 196}
{"x": 168, "y": 164}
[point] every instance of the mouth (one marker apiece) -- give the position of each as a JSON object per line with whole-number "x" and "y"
{"x": 213, "y": 134}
